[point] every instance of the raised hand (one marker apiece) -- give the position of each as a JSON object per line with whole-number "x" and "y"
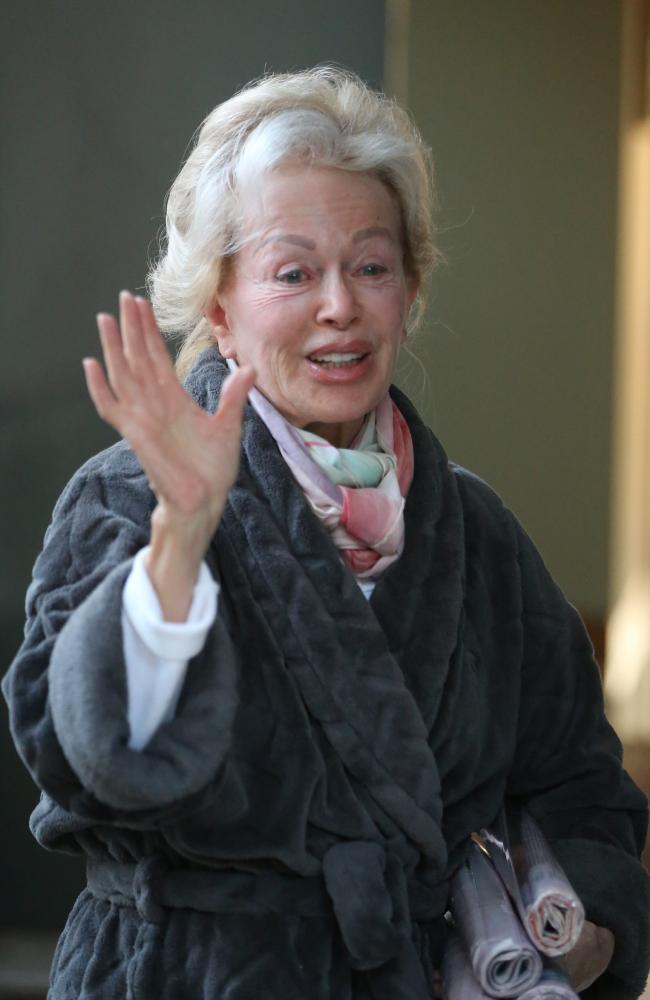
{"x": 190, "y": 457}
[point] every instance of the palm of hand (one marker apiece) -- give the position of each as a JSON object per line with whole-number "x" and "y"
{"x": 190, "y": 457}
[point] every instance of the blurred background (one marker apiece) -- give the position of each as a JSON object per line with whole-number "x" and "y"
{"x": 533, "y": 366}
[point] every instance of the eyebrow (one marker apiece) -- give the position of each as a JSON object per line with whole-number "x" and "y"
{"x": 367, "y": 234}
{"x": 302, "y": 241}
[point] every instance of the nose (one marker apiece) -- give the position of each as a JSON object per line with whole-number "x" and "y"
{"x": 337, "y": 305}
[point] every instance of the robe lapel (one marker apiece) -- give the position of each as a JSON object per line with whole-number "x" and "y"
{"x": 419, "y": 600}
{"x": 342, "y": 652}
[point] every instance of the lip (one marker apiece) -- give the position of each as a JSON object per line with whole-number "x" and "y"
{"x": 336, "y": 347}
{"x": 343, "y": 375}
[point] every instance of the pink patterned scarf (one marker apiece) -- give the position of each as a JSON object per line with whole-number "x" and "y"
{"x": 366, "y": 522}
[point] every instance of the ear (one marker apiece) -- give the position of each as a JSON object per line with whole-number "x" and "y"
{"x": 412, "y": 289}
{"x": 218, "y": 317}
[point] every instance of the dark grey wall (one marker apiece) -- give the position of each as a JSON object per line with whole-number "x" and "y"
{"x": 99, "y": 102}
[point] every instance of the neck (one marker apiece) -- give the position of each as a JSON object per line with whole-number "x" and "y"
{"x": 339, "y": 435}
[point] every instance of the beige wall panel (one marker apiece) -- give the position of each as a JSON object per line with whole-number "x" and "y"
{"x": 519, "y": 102}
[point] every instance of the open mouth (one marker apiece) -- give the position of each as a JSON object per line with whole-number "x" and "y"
{"x": 336, "y": 360}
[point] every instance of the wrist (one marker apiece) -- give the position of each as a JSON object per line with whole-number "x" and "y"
{"x": 184, "y": 537}
{"x": 173, "y": 563}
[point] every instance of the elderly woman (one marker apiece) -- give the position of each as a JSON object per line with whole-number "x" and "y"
{"x": 282, "y": 657}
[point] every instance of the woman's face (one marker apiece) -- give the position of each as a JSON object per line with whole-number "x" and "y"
{"x": 317, "y": 299}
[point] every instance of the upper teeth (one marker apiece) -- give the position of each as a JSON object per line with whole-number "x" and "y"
{"x": 336, "y": 357}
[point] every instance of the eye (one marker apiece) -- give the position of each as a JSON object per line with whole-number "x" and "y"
{"x": 292, "y": 277}
{"x": 373, "y": 270}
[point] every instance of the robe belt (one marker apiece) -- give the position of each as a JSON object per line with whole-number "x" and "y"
{"x": 365, "y": 885}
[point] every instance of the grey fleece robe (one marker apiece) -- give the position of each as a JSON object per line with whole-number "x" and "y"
{"x": 290, "y": 833}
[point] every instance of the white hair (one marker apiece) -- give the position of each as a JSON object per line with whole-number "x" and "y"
{"x": 323, "y": 117}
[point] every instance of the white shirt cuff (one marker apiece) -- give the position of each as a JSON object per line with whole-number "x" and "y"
{"x": 157, "y": 652}
{"x": 169, "y": 640}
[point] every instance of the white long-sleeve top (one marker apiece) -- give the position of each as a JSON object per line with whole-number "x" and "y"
{"x": 157, "y": 652}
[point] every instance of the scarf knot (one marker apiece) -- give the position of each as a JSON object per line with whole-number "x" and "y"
{"x": 358, "y": 493}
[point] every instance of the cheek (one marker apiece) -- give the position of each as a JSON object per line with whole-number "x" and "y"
{"x": 390, "y": 297}
{"x": 263, "y": 327}
{"x": 391, "y": 309}
{"x": 275, "y": 344}
{"x": 263, "y": 295}
{"x": 274, "y": 317}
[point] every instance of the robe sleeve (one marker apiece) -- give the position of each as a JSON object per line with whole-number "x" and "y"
{"x": 567, "y": 768}
{"x": 67, "y": 690}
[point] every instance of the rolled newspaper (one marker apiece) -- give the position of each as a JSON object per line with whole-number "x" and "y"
{"x": 504, "y": 961}
{"x": 549, "y": 907}
{"x": 458, "y": 979}
{"x": 460, "y": 983}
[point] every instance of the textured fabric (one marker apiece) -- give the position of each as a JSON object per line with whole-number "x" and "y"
{"x": 318, "y": 736}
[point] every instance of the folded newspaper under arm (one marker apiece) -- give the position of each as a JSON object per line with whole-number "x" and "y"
{"x": 513, "y": 910}
{"x": 459, "y": 982}
{"x": 547, "y": 904}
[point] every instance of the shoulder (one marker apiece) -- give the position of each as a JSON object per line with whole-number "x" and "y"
{"x": 484, "y": 511}
{"x": 493, "y": 529}
{"x": 206, "y": 378}
{"x": 476, "y": 492}
{"x": 112, "y": 479}
{"x": 489, "y": 520}
{"x": 101, "y": 517}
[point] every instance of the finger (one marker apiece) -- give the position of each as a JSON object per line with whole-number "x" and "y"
{"x": 99, "y": 391}
{"x": 119, "y": 374}
{"x": 161, "y": 364}
{"x": 135, "y": 351}
{"x": 234, "y": 395}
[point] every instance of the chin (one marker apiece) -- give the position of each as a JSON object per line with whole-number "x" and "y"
{"x": 337, "y": 414}
{"x": 349, "y": 402}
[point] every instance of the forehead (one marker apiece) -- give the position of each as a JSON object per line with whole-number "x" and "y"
{"x": 319, "y": 200}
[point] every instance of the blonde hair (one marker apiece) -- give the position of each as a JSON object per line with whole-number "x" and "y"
{"x": 325, "y": 117}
